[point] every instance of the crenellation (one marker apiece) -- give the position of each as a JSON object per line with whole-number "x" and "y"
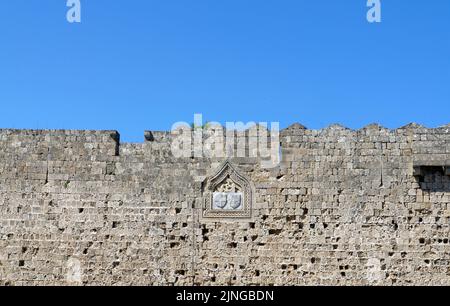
{"x": 344, "y": 207}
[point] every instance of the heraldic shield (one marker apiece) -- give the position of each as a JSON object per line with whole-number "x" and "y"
{"x": 229, "y": 194}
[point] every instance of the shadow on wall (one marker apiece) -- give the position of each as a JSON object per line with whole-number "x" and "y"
{"x": 433, "y": 178}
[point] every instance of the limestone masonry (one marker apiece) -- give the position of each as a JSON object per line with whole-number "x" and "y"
{"x": 344, "y": 207}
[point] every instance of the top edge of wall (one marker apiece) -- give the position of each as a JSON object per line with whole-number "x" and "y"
{"x": 56, "y": 132}
{"x": 299, "y": 128}
{"x": 372, "y": 126}
{"x": 164, "y": 135}
{"x": 92, "y": 134}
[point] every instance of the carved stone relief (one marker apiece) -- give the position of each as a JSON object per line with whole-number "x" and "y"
{"x": 229, "y": 194}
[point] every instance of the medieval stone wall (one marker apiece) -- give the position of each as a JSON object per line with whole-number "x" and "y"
{"x": 344, "y": 207}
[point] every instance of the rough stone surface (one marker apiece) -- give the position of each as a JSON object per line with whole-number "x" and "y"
{"x": 343, "y": 208}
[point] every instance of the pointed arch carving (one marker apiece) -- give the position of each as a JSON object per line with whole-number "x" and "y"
{"x": 229, "y": 194}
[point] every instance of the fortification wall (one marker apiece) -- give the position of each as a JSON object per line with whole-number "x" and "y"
{"x": 344, "y": 207}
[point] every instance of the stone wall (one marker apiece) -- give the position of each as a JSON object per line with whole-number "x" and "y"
{"x": 344, "y": 207}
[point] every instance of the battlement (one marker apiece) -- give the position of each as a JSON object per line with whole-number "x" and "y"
{"x": 342, "y": 206}
{"x": 294, "y": 129}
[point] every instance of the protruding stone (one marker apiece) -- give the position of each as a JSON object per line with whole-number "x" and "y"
{"x": 296, "y": 126}
{"x": 294, "y": 129}
{"x": 336, "y": 127}
{"x": 374, "y": 126}
{"x": 412, "y": 126}
{"x": 115, "y": 136}
{"x": 149, "y": 136}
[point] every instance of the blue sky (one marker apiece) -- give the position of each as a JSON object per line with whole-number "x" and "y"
{"x": 146, "y": 64}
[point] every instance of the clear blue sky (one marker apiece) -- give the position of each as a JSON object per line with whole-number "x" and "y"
{"x": 145, "y": 64}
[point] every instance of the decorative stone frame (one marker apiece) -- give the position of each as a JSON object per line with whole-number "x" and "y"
{"x": 223, "y": 173}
